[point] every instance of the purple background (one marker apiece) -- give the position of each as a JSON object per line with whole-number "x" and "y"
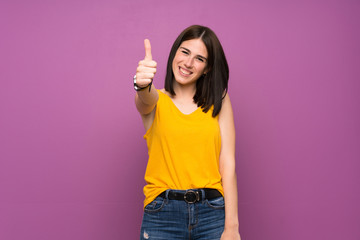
{"x": 71, "y": 146}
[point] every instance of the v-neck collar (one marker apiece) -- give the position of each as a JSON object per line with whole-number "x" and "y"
{"x": 178, "y": 110}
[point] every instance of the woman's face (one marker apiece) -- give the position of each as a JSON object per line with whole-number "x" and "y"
{"x": 190, "y": 61}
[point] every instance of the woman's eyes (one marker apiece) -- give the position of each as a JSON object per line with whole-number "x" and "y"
{"x": 200, "y": 59}
{"x": 188, "y": 53}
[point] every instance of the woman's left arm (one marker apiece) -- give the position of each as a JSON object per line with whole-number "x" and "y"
{"x": 227, "y": 170}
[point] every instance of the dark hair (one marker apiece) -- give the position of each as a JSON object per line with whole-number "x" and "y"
{"x": 212, "y": 87}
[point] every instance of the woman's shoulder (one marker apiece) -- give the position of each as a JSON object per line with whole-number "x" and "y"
{"x": 226, "y": 108}
{"x": 164, "y": 92}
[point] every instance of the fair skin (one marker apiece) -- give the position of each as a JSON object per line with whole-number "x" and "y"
{"x": 189, "y": 64}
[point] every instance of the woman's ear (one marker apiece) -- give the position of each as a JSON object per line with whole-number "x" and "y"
{"x": 206, "y": 71}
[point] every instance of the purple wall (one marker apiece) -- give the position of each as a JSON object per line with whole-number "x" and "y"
{"x": 71, "y": 147}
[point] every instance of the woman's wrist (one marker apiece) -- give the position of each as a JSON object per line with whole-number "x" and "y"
{"x": 140, "y": 88}
{"x": 232, "y": 226}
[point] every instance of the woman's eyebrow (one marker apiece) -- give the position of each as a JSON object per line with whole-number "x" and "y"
{"x": 190, "y": 52}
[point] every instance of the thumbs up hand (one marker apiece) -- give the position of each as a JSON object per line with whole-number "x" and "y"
{"x": 146, "y": 69}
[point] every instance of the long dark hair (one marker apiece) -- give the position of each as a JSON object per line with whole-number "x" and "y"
{"x": 212, "y": 87}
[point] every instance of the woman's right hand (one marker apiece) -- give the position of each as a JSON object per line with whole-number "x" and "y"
{"x": 147, "y": 98}
{"x": 146, "y": 69}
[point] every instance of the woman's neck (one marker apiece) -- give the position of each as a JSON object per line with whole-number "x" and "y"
{"x": 184, "y": 92}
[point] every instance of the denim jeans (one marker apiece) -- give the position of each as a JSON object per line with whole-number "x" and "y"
{"x": 166, "y": 219}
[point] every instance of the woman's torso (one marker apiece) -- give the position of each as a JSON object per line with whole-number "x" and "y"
{"x": 183, "y": 149}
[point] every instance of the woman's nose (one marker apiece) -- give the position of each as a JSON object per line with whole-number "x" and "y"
{"x": 189, "y": 62}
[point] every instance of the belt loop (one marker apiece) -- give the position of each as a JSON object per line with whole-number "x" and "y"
{"x": 167, "y": 194}
{"x": 203, "y": 197}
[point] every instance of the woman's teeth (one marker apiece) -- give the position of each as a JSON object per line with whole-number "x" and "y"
{"x": 184, "y": 71}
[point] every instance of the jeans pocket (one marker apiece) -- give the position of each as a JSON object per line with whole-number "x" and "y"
{"x": 156, "y": 205}
{"x": 216, "y": 203}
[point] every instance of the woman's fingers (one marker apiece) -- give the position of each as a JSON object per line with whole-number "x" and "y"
{"x": 146, "y": 69}
{"x": 142, "y": 75}
{"x": 147, "y": 45}
{"x": 142, "y": 82}
{"x": 148, "y": 63}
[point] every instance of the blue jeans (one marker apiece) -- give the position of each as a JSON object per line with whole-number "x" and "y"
{"x": 166, "y": 219}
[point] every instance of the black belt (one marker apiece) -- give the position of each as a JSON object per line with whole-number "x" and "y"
{"x": 192, "y": 196}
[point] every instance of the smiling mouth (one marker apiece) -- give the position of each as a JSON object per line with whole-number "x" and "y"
{"x": 184, "y": 71}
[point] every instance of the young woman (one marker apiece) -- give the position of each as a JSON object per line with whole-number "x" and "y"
{"x": 191, "y": 190}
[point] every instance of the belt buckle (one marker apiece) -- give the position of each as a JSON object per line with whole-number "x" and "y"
{"x": 191, "y": 196}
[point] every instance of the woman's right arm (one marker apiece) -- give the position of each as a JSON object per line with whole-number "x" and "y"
{"x": 146, "y": 100}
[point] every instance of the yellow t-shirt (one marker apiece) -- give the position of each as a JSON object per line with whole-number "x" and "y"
{"x": 183, "y": 150}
